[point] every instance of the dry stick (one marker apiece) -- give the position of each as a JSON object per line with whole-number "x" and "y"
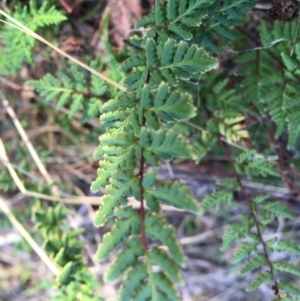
{"x": 14, "y": 221}
{"x": 11, "y": 170}
{"x": 28, "y": 144}
{"x": 18, "y": 182}
{"x": 58, "y": 50}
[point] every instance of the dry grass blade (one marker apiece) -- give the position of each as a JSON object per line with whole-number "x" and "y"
{"x": 39, "y": 251}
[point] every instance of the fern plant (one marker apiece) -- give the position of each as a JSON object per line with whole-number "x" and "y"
{"x": 74, "y": 281}
{"x": 178, "y": 105}
{"x": 18, "y": 47}
{"x": 74, "y": 86}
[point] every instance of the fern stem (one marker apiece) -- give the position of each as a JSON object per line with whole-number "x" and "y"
{"x": 275, "y": 287}
{"x": 142, "y": 207}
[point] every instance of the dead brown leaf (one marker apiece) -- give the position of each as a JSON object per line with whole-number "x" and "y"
{"x": 123, "y": 15}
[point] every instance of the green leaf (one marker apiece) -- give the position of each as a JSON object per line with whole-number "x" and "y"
{"x": 287, "y": 246}
{"x": 286, "y": 267}
{"x": 172, "y": 105}
{"x": 289, "y": 288}
{"x": 289, "y": 62}
{"x": 133, "y": 281}
{"x": 165, "y": 144}
{"x": 166, "y": 263}
{"x": 118, "y": 234}
{"x": 150, "y": 52}
{"x": 243, "y": 250}
{"x": 276, "y": 209}
{"x": 166, "y": 285}
{"x": 236, "y": 231}
{"x": 177, "y": 195}
{"x": 181, "y": 30}
{"x": 259, "y": 280}
{"x": 217, "y": 199}
{"x": 125, "y": 259}
{"x": 254, "y": 263}
{"x": 159, "y": 229}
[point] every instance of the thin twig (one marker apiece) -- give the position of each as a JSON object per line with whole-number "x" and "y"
{"x": 28, "y": 144}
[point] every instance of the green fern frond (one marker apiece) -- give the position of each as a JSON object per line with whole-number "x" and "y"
{"x": 159, "y": 257}
{"x": 158, "y": 228}
{"x": 217, "y": 199}
{"x": 184, "y": 60}
{"x": 135, "y": 277}
{"x": 254, "y": 263}
{"x": 229, "y": 184}
{"x": 289, "y": 288}
{"x": 285, "y": 246}
{"x": 236, "y": 231}
{"x": 18, "y": 45}
{"x": 243, "y": 250}
{"x": 71, "y": 87}
{"x": 261, "y": 167}
{"x": 287, "y": 267}
{"x": 164, "y": 144}
{"x": 165, "y": 285}
{"x": 259, "y": 280}
{"x": 126, "y": 258}
{"x": 276, "y": 209}
{"x": 119, "y": 232}
{"x": 65, "y": 273}
{"x": 177, "y": 195}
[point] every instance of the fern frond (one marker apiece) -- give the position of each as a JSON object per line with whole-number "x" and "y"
{"x": 217, "y": 199}
{"x": 126, "y": 258}
{"x": 259, "y": 280}
{"x": 119, "y": 232}
{"x": 18, "y": 45}
{"x": 236, "y": 231}
{"x": 158, "y": 228}
{"x": 229, "y": 184}
{"x": 164, "y": 144}
{"x": 276, "y": 209}
{"x": 135, "y": 277}
{"x": 243, "y": 250}
{"x": 184, "y": 60}
{"x": 254, "y": 263}
{"x": 285, "y": 246}
{"x": 71, "y": 87}
{"x": 289, "y": 288}
{"x": 286, "y": 267}
{"x": 159, "y": 257}
{"x": 177, "y": 195}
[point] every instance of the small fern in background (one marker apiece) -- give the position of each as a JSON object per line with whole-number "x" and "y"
{"x": 73, "y": 86}
{"x": 74, "y": 281}
{"x": 19, "y": 46}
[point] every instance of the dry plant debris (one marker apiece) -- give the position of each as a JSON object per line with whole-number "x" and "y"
{"x": 123, "y": 15}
